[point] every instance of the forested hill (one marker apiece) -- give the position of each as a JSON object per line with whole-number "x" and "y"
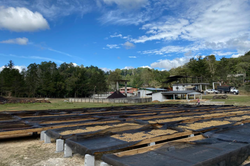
{"x": 49, "y": 80}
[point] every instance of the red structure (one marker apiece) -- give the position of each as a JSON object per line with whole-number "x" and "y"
{"x": 129, "y": 90}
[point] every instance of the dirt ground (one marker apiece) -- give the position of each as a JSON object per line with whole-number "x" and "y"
{"x": 33, "y": 152}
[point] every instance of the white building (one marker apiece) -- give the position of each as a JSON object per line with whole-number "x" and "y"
{"x": 147, "y": 92}
{"x": 172, "y": 95}
{"x": 144, "y": 93}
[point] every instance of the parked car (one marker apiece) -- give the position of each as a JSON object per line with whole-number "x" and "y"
{"x": 211, "y": 91}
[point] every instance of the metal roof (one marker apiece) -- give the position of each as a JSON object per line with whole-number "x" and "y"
{"x": 155, "y": 89}
{"x": 181, "y": 92}
{"x": 192, "y": 84}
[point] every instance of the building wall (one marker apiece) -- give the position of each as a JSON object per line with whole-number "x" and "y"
{"x": 143, "y": 93}
{"x": 158, "y": 96}
{"x": 180, "y": 87}
{"x": 129, "y": 90}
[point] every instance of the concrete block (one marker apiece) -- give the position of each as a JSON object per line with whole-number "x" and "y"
{"x": 151, "y": 144}
{"x": 47, "y": 139}
{"x": 59, "y": 145}
{"x": 67, "y": 151}
{"x": 89, "y": 160}
{"x": 42, "y": 135}
{"x": 104, "y": 164}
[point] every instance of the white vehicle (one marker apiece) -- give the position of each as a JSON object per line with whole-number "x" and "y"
{"x": 211, "y": 91}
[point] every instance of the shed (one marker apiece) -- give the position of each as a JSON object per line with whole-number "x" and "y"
{"x": 161, "y": 96}
{"x": 147, "y": 92}
{"x": 183, "y": 86}
{"x": 144, "y": 93}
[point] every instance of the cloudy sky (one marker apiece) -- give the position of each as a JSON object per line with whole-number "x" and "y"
{"x": 112, "y": 34}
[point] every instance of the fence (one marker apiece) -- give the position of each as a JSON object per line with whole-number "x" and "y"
{"x": 118, "y": 100}
{"x": 105, "y": 95}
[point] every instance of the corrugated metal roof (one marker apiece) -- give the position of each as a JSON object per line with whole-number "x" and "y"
{"x": 180, "y": 92}
{"x": 155, "y": 89}
{"x": 192, "y": 84}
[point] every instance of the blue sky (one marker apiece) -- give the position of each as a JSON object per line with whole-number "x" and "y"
{"x": 111, "y": 34}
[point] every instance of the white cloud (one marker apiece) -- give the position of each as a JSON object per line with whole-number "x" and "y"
{"x": 146, "y": 67}
{"x": 173, "y": 49}
{"x": 21, "y": 19}
{"x": 20, "y": 41}
{"x": 74, "y": 64}
{"x": 169, "y": 64}
{"x": 127, "y": 3}
{"x": 236, "y": 55}
{"x": 169, "y": 30}
{"x": 20, "y": 68}
{"x": 216, "y": 25}
{"x": 220, "y": 22}
{"x": 128, "y": 45}
{"x": 42, "y": 58}
{"x": 220, "y": 53}
{"x": 116, "y": 35}
{"x": 60, "y": 52}
{"x": 111, "y": 46}
{"x": 123, "y": 16}
{"x": 119, "y": 36}
{"x": 106, "y": 69}
{"x": 1, "y": 68}
{"x": 132, "y": 56}
{"x": 33, "y": 57}
{"x": 128, "y": 67}
{"x": 189, "y": 53}
{"x": 60, "y": 8}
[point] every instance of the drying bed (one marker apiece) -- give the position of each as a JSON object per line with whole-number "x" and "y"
{"x": 21, "y": 122}
{"x": 226, "y": 146}
{"x": 98, "y": 130}
{"x": 178, "y": 154}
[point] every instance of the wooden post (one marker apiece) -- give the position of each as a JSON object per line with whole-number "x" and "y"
{"x": 126, "y": 88}
{"x": 117, "y": 86}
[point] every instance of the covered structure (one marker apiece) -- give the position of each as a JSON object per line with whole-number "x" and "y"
{"x": 188, "y": 86}
{"x": 161, "y": 96}
{"x": 147, "y": 92}
{"x": 117, "y": 85}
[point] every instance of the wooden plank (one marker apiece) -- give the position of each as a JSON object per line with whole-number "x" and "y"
{"x": 15, "y": 136}
{"x": 13, "y": 132}
{"x": 71, "y": 120}
{"x": 164, "y": 137}
{"x": 149, "y": 148}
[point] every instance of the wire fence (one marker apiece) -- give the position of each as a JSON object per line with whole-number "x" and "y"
{"x": 117, "y": 100}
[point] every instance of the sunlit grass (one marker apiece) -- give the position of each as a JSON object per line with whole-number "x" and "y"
{"x": 232, "y": 99}
{"x": 61, "y": 104}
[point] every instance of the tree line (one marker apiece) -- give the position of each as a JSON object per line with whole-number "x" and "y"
{"x": 47, "y": 79}
{"x": 208, "y": 69}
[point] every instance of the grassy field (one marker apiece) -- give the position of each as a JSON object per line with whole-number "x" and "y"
{"x": 232, "y": 99}
{"x": 55, "y": 104}
{"x": 60, "y": 104}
